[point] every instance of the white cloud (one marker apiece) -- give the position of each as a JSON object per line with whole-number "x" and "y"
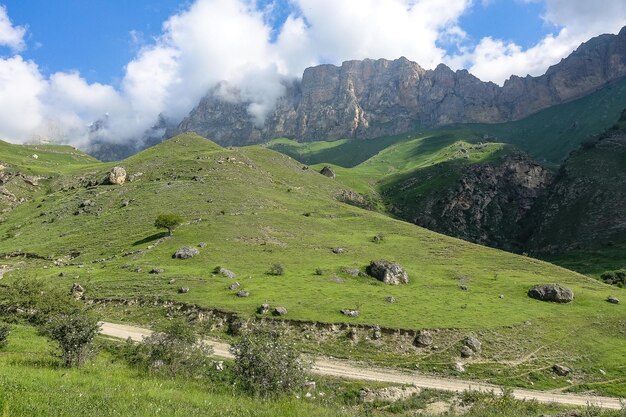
{"x": 11, "y": 36}
{"x": 234, "y": 43}
{"x": 576, "y": 21}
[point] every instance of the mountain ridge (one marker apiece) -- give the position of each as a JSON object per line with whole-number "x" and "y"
{"x": 372, "y": 98}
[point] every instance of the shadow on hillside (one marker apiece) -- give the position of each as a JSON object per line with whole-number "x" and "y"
{"x": 151, "y": 238}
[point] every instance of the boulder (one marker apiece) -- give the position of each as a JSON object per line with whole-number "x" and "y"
{"x": 280, "y": 311}
{"x": 234, "y": 286}
{"x": 472, "y": 343}
{"x": 186, "y": 252}
{"x": 561, "y": 370}
{"x": 349, "y": 312}
{"x": 263, "y": 309}
{"x": 117, "y": 176}
{"x": 612, "y": 300}
{"x": 551, "y": 292}
{"x": 77, "y": 291}
{"x": 226, "y": 273}
{"x": 157, "y": 271}
{"x": 390, "y": 299}
{"x": 183, "y": 290}
{"x": 339, "y": 251}
{"x": 202, "y": 245}
{"x": 243, "y": 294}
{"x": 337, "y": 280}
{"x": 466, "y": 352}
{"x": 390, "y": 273}
{"x": 328, "y": 172}
{"x": 423, "y": 339}
{"x": 458, "y": 367}
{"x": 377, "y": 333}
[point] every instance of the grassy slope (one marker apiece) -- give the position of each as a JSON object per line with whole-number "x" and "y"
{"x": 249, "y": 211}
{"x": 548, "y": 135}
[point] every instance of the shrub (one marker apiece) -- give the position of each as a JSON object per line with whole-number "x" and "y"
{"x": 74, "y": 334}
{"x": 276, "y": 269}
{"x": 318, "y": 271}
{"x": 176, "y": 350}
{"x": 168, "y": 221}
{"x": 5, "y": 330}
{"x": 267, "y": 365}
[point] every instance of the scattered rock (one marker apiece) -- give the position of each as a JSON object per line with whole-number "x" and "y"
{"x": 339, "y": 251}
{"x": 226, "y": 272}
{"x": 34, "y": 156}
{"x": 551, "y": 292}
{"x": 219, "y": 366}
{"x": 183, "y": 290}
{"x": 388, "y": 394}
{"x": 458, "y": 367}
{"x": 328, "y": 172}
{"x": 234, "y": 286}
{"x": 377, "y": 333}
{"x": 466, "y": 352}
{"x": 353, "y": 272}
{"x": 263, "y": 309}
{"x": 337, "y": 280}
{"x": 186, "y": 252}
{"x": 390, "y": 273}
{"x": 561, "y": 370}
{"x": 310, "y": 386}
{"x": 472, "y": 343}
{"x": 157, "y": 271}
{"x": 77, "y": 291}
{"x": 463, "y": 287}
{"x": 613, "y": 300}
{"x": 501, "y": 296}
{"x": 86, "y": 203}
{"x": 349, "y": 312}
{"x": 280, "y": 311}
{"x": 390, "y": 299}
{"x": 243, "y": 294}
{"x": 125, "y": 203}
{"x": 62, "y": 274}
{"x": 202, "y": 245}
{"x": 423, "y": 339}
{"x": 117, "y": 176}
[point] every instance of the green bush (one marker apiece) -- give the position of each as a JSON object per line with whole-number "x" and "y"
{"x": 176, "y": 350}
{"x": 276, "y": 269}
{"x": 267, "y": 365}
{"x": 74, "y": 334}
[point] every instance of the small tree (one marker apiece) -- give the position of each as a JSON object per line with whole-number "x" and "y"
{"x": 168, "y": 221}
{"x": 74, "y": 334}
{"x": 174, "y": 351}
{"x": 266, "y": 364}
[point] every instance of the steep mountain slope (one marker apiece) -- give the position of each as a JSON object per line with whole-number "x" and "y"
{"x": 585, "y": 205}
{"x": 367, "y": 99}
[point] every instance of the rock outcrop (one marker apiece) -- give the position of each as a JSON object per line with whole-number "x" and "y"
{"x": 373, "y": 98}
{"x": 484, "y": 203}
{"x": 551, "y": 292}
{"x": 390, "y": 273}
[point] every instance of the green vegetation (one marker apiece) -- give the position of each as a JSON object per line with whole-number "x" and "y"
{"x": 249, "y": 210}
{"x": 168, "y": 221}
{"x": 268, "y": 365}
{"x": 74, "y": 334}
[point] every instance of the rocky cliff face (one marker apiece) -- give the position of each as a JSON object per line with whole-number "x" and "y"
{"x": 372, "y": 98}
{"x": 486, "y": 203}
{"x": 585, "y": 207}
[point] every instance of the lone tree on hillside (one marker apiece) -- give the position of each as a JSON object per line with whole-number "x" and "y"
{"x": 168, "y": 221}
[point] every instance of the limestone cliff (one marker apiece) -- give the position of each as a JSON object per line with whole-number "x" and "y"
{"x": 372, "y": 98}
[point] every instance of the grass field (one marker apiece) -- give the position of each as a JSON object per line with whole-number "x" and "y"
{"x": 254, "y": 208}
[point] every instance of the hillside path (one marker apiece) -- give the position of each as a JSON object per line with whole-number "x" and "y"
{"x": 349, "y": 370}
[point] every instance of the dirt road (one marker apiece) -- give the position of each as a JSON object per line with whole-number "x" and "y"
{"x": 345, "y": 369}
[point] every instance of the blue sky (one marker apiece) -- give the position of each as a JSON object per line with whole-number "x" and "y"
{"x": 65, "y": 64}
{"x": 94, "y": 36}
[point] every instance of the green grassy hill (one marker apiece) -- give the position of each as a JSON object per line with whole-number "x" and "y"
{"x": 254, "y": 207}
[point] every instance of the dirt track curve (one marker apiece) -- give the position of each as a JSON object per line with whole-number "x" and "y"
{"x": 345, "y": 369}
